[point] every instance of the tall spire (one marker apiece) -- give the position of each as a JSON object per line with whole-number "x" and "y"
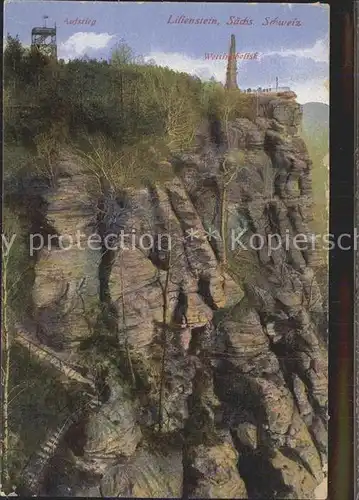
{"x": 231, "y": 79}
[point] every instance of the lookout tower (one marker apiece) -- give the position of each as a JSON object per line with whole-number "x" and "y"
{"x": 231, "y": 77}
{"x": 44, "y": 39}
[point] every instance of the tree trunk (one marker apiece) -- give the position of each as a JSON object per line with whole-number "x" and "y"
{"x": 223, "y": 216}
{"x": 127, "y": 347}
{"x": 5, "y": 384}
{"x": 164, "y": 352}
{"x": 121, "y": 95}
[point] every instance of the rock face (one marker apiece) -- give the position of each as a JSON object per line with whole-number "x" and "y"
{"x": 212, "y": 380}
{"x": 218, "y": 474}
{"x": 67, "y": 267}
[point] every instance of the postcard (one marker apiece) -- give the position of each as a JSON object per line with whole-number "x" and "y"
{"x": 165, "y": 250}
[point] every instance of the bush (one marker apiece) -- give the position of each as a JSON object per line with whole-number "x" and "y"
{"x": 228, "y": 104}
{"x": 129, "y": 166}
{"x": 125, "y": 100}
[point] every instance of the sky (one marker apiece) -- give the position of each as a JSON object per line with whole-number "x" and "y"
{"x": 297, "y": 54}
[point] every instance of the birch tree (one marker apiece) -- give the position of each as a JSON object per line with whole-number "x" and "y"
{"x": 47, "y": 150}
{"x": 5, "y": 372}
{"x": 165, "y": 324}
{"x": 232, "y": 162}
{"x": 13, "y": 274}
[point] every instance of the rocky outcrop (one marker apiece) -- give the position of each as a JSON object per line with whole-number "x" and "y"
{"x": 113, "y": 430}
{"x": 217, "y": 472}
{"x": 273, "y": 360}
{"x": 208, "y": 376}
{"x": 67, "y": 267}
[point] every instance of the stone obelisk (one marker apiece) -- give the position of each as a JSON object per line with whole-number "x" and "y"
{"x": 231, "y": 78}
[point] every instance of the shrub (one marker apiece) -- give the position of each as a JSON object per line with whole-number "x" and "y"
{"x": 229, "y": 104}
{"x": 130, "y": 166}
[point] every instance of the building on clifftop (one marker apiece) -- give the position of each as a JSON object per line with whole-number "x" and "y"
{"x": 43, "y": 39}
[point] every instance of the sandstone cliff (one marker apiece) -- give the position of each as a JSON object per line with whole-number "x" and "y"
{"x": 195, "y": 380}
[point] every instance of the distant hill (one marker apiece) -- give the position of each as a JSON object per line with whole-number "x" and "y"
{"x": 315, "y": 117}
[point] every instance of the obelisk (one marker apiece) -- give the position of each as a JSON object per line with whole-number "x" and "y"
{"x": 231, "y": 78}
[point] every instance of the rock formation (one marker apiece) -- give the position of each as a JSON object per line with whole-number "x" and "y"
{"x": 210, "y": 386}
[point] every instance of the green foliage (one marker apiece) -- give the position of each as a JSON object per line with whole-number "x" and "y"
{"x": 48, "y": 150}
{"x": 125, "y": 100}
{"x": 42, "y": 402}
{"x": 13, "y": 57}
{"x": 123, "y": 54}
{"x": 15, "y": 256}
{"x": 18, "y": 161}
{"x": 318, "y": 149}
{"x": 129, "y": 166}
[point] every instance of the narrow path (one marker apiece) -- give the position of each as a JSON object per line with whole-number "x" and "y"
{"x": 25, "y": 339}
{"x": 33, "y": 473}
{"x": 34, "y": 470}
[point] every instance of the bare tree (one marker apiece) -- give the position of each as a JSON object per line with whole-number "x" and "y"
{"x": 47, "y": 150}
{"x": 122, "y": 54}
{"x": 11, "y": 277}
{"x": 9, "y": 290}
{"x": 232, "y": 163}
{"x": 14, "y": 272}
{"x": 124, "y": 323}
{"x": 229, "y": 170}
{"x": 165, "y": 322}
{"x": 5, "y": 372}
{"x": 180, "y": 118}
{"x": 128, "y": 167}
